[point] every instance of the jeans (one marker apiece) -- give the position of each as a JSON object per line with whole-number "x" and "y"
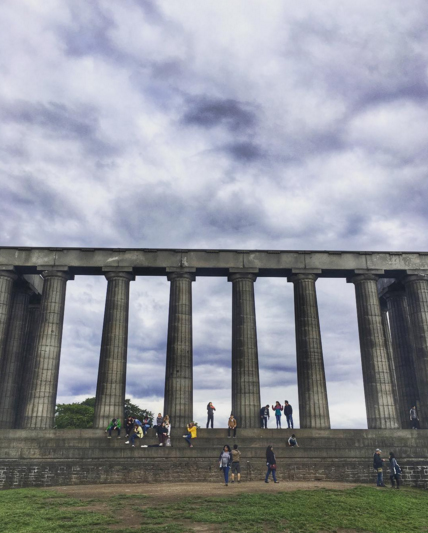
{"x": 226, "y": 473}
{"x": 379, "y": 481}
{"x": 210, "y": 419}
{"x": 264, "y": 422}
{"x": 187, "y": 438}
{"x": 278, "y": 421}
{"x": 269, "y": 470}
{"x": 290, "y": 421}
{"x": 145, "y": 428}
{"x": 118, "y": 432}
{"x": 132, "y": 438}
{"x": 228, "y": 432}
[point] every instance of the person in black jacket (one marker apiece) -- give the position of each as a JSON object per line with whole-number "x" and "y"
{"x": 288, "y": 412}
{"x": 210, "y": 412}
{"x": 395, "y": 471}
{"x": 264, "y": 416}
{"x": 378, "y": 466}
{"x": 271, "y": 464}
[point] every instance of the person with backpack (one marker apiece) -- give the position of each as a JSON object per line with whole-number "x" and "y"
{"x": 277, "y": 408}
{"x": 395, "y": 471}
{"x": 378, "y": 466}
{"x": 236, "y": 466}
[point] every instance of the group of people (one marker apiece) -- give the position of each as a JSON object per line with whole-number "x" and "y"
{"x": 395, "y": 470}
{"x": 135, "y": 429}
{"x": 278, "y": 409}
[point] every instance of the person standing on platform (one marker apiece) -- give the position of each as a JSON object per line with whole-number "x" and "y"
{"x": 288, "y": 413}
{"x": 236, "y": 464}
{"x": 191, "y": 434}
{"x": 159, "y": 420}
{"x": 264, "y": 416}
{"x": 277, "y": 408}
{"x": 378, "y": 466}
{"x": 225, "y": 461}
{"x": 210, "y": 412}
{"x": 231, "y": 424}
{"x": 395, "y": 471}
{"x": 114, "y": 425}
{"x": 414, "y": 418}
{"x": 271, "y": 464}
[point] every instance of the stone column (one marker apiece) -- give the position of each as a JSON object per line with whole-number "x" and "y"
{"x": 7, "y": 277}
{"x": 178, "y": 402}
{"x": 313, "y": 402}
{"x": 380, "y": 401}
{"x": 110, "y": 397}
{"x": 403, "y": 353}
{"x": 389, "y": 351}
{"x": 40, "y": 408}
{"x": 245, "y": 360}
{"x": 28, "y": 359}
{"x": 417, "y": 300}
{"x": 11, "y": 375}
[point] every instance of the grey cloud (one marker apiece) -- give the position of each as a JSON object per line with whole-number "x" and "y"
{"x": 245, "y": 151}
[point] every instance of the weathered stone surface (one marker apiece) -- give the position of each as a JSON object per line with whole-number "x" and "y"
{"x": 245, "y": 360}
{"x": 312, "y": 388}
{"x": 6, "y": 286}
{"x": 110, "y": 396}
{"x": 178, "y": 402}
{"x": 417, "y": 299}
{"x": 40, "y": 407}
{"x": 378, "y": 390}
{"x": 11, "y": 375}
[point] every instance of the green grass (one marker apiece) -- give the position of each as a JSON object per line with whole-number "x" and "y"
{"x": 362, "y": 509}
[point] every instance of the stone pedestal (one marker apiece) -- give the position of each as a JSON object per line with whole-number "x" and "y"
{"x": 245, "y": 363}
{"x": 403, "y": 353}
{"x": 11, "y": 375}
{"x": 417, "y": 300}
{"x": 178, "y": 402}
{"x": 378, "y": 389}
{"x": 313, "y": 402}
{"x": 110, "y": 396}
{"x": 40, "y": 408}
{"x": 6, "y": 286}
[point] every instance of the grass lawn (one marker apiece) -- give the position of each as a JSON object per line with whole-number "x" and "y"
{"x": 360, "y": 509}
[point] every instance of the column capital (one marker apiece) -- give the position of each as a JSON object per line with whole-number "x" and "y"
{"x": 242, "y": 276}
{"x": 181, "y": 275}
{"x": 359, "y": 278}
{"x": 57, "y": 274}
{"x": 294, "y": 278}
{"x": 394, "y": 291}
{"x": 8, "y": 274}
{"x": 413, "y": 277}
{"x": 127, "y": 276}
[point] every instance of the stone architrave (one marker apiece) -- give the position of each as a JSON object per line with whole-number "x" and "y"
{"x": 245, "y": 361}
{"x": 313, "y": 402}
{"x": 11, "y": 375}
{"x": 110, "y": 395}
{"x": 178, "y": 403}
{"x": 417, "y": 300}
{"x": 40, "y": 406}
{"x": 378, "y": 387}
{"x": 7, "y": 277}
{"x": 28, "y": 359}
{"x": 403, "y": 352}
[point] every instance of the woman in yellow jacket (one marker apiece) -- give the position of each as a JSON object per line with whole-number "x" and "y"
{"x": 191, "y": 433}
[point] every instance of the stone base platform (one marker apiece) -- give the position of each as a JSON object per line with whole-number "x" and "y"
{"x": 48, "y": 458}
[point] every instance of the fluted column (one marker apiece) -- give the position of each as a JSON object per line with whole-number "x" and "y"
{"x": 11, "y": 375}
{"x": 110, "y": 397}
{"x": 313, "y": 402}
{"x": 245, "y": 360}
{"x": 178, "y": 403}
{"x": 403, "y": 353}
{"x": 389, "y": 351}
{"x": 378, "y": 390}
{"x": 29, "y": 357}
{"x": 417, "y": 300}
{"x": 40, "y": 408}
{"x": 7, "y": 277}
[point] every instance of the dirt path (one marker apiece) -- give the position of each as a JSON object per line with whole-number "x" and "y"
{"x": 177, "y": 491}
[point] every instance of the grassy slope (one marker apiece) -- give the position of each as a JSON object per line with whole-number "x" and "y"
{"x": 360, "y": 509}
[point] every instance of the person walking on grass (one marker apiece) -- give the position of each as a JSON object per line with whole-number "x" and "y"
{"x": 264, "y": 416}
{"x": 231, "y": 425}
{"x": 395, "y": 471}
{"x": 137, "y": 434}
{"x": 271, "y": 464}
{"x": 277, "y": 408}
{"x": 378, "y": 466}
{"x": 191, "y": 433}
{"x": 225, "y": 461}
{"x": 288, "y": 413}
{"x": 236, "y": 465}
{"x": 210, "y": 413}
{"x": 114, "y": 425}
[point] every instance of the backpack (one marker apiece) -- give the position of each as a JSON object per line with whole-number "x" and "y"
{"x": 397, "y": 469}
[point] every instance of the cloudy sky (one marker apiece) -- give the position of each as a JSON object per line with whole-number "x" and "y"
{"x": 214, "y": 124}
